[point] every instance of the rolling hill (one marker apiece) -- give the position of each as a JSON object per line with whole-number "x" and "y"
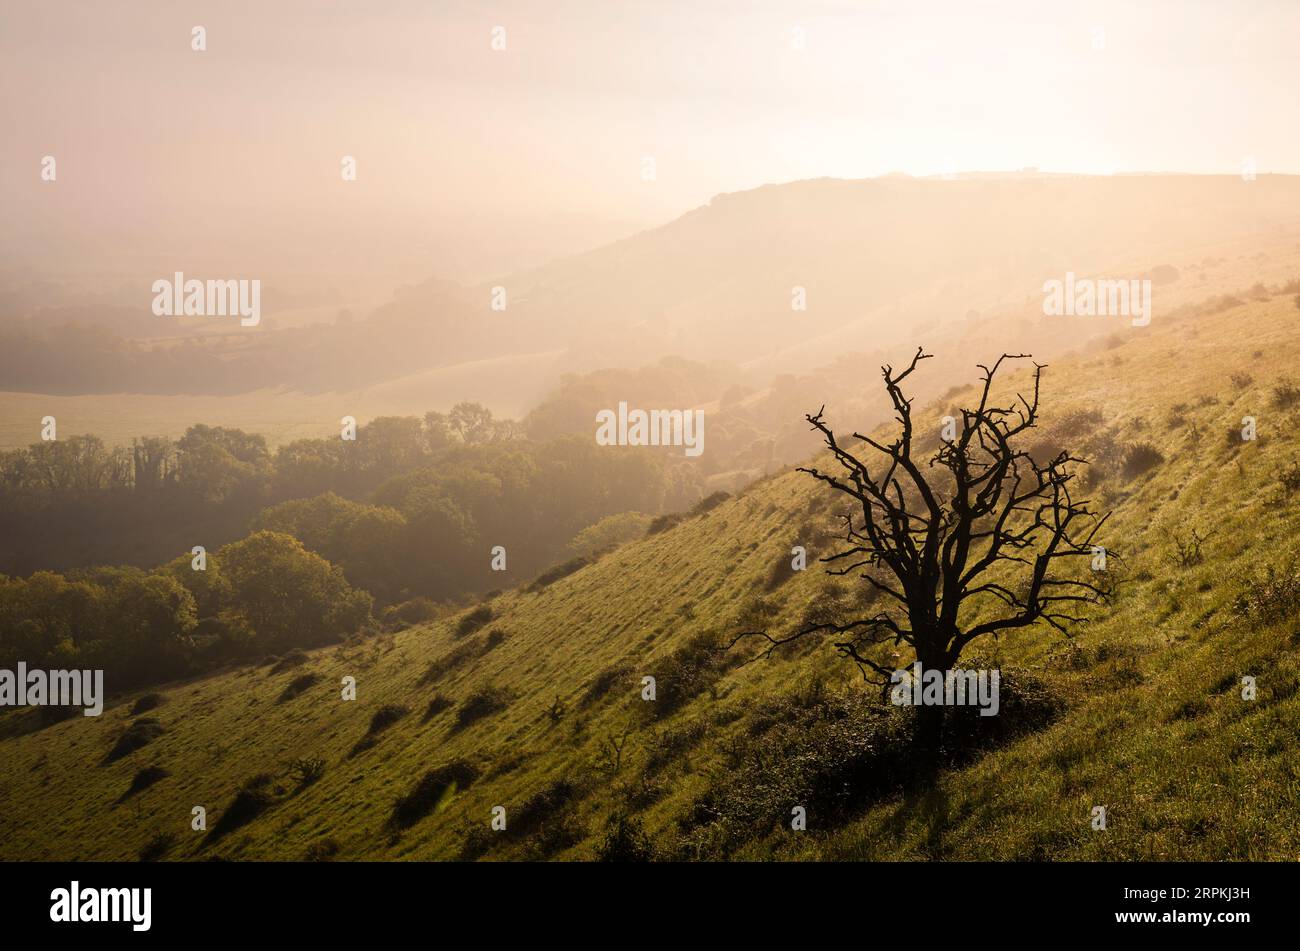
{"x": 532, "y": 701}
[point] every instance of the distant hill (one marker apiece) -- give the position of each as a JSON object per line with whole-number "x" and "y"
{"x": 879, "y": 261}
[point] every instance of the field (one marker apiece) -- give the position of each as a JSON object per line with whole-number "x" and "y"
{"x": 506, "y": 385}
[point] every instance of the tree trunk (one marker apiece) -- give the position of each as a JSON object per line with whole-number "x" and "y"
{"x": 927, "y": 736}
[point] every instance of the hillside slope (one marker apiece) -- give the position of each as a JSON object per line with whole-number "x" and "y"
{"x": 1151, "y": 724}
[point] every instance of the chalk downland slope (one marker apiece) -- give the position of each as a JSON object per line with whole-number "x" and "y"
{"x": 536, "y": 706}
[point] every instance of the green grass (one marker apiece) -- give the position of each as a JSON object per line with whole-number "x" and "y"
{"x": 1154, "y": 727}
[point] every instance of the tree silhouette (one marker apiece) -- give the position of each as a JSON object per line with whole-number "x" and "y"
{"x": 966, "y": 544}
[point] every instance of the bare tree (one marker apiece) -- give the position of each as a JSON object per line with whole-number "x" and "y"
{"x": 964, "y": 544}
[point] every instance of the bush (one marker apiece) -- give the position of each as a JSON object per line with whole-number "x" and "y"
{"x": 625, "y": 841}
{"x": 757, "y": 613}
{"x": 1273, "y": 596}
{"x": 483, "y": 703}
{"x": 606, "y": 681}
{"x": 1289, "y": 479}
{"x": 454, "y": 659}
{"x": 433, "y": 788}
{"x": 295, "y": 658}
{"x": 837, "y": 754}
{"x": 436, "y": 706}
{"x": 662, "y": 523}
{"x": 781, "y": 572}
{"x": 473, "y": 620}
{"x": 145, "y": 703}
{"x": 539, "y": 807}
{"x": 138, "y": 734}
{"x": 412, "y": 612}
{"x": 386, "y": 716}
{"x": 298, "y": 686}
{"x": 322, "y": 851}
{"x": 157, "y": 846}
{"x": 307, "y": 770}
{"x": 1138, "y": 458}
{"x": 143, "y": 779}
{"x": 1285, "y": 394}
{"x": 552, "y": 575}
{"x": 610, "y": 532}
{"x": 687, "y": 672}
{"x": 250, "y": 802}
{"x": 563, "y": 832}
{"x": 709, "y": 502}
{"x": 665, "y": 746}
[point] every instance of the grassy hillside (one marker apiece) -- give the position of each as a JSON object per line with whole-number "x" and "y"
{"x": 1143, "y": 713}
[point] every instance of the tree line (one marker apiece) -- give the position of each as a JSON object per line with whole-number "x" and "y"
{"x": 302, "y": 546}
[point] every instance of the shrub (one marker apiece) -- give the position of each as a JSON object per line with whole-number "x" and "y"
{"x": 1065, "y": 431}
{"x": 757, "y": 613}
{"x": 625, "y": 841}
{"x": 1217, "y": 305}
{"x": 386, "y": 716}
{"x": 298, "y": 686}
{"x": 432, "y": 789}
{"x": 415, "y": 611}
{"x": 54, "y": 713}
{"x": 552, "y": 575}
{"x": 610, "y": 532}
{"x": 157, "y": 846}
{"x": 321, "y": 851}
{"x": 454, "y": 659}
{"x": 295, "y": 658}
{"x": 1290, "y": 478}
{"x": 662, "y": 523}
{"x": 668, "y": 745}
{"x": 540, "y": 806}
{"x": 1272, "y": 596}
{"x": 1242, "y": 380}
{"x": 145, "y": 703}
{"x": 1185, "y": 550}
{"x": 473, "y": 620}
{"x": 143, "y": 779}
{"x": 605, "y": 681}
{"x": 687, "y": 672}
{"x": 483, "y": 703}
{"x": 441, "y": 666}
{"x": 1140, "y": 457}
{"x": 138, "y": 734}
{"x": 250, "y": 802}
{"x": 307, "y": 770}
{"x": 709, "y": 502}
{"x": 436, "y": 706}
{"x": 781, "y": 572}
{"x": 1285, "y": 394}
{"x": 557, "y": 834}
{"x": 837, "y": 754}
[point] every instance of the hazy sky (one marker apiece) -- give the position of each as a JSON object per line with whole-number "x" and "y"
{"x": 472, "y": 161}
